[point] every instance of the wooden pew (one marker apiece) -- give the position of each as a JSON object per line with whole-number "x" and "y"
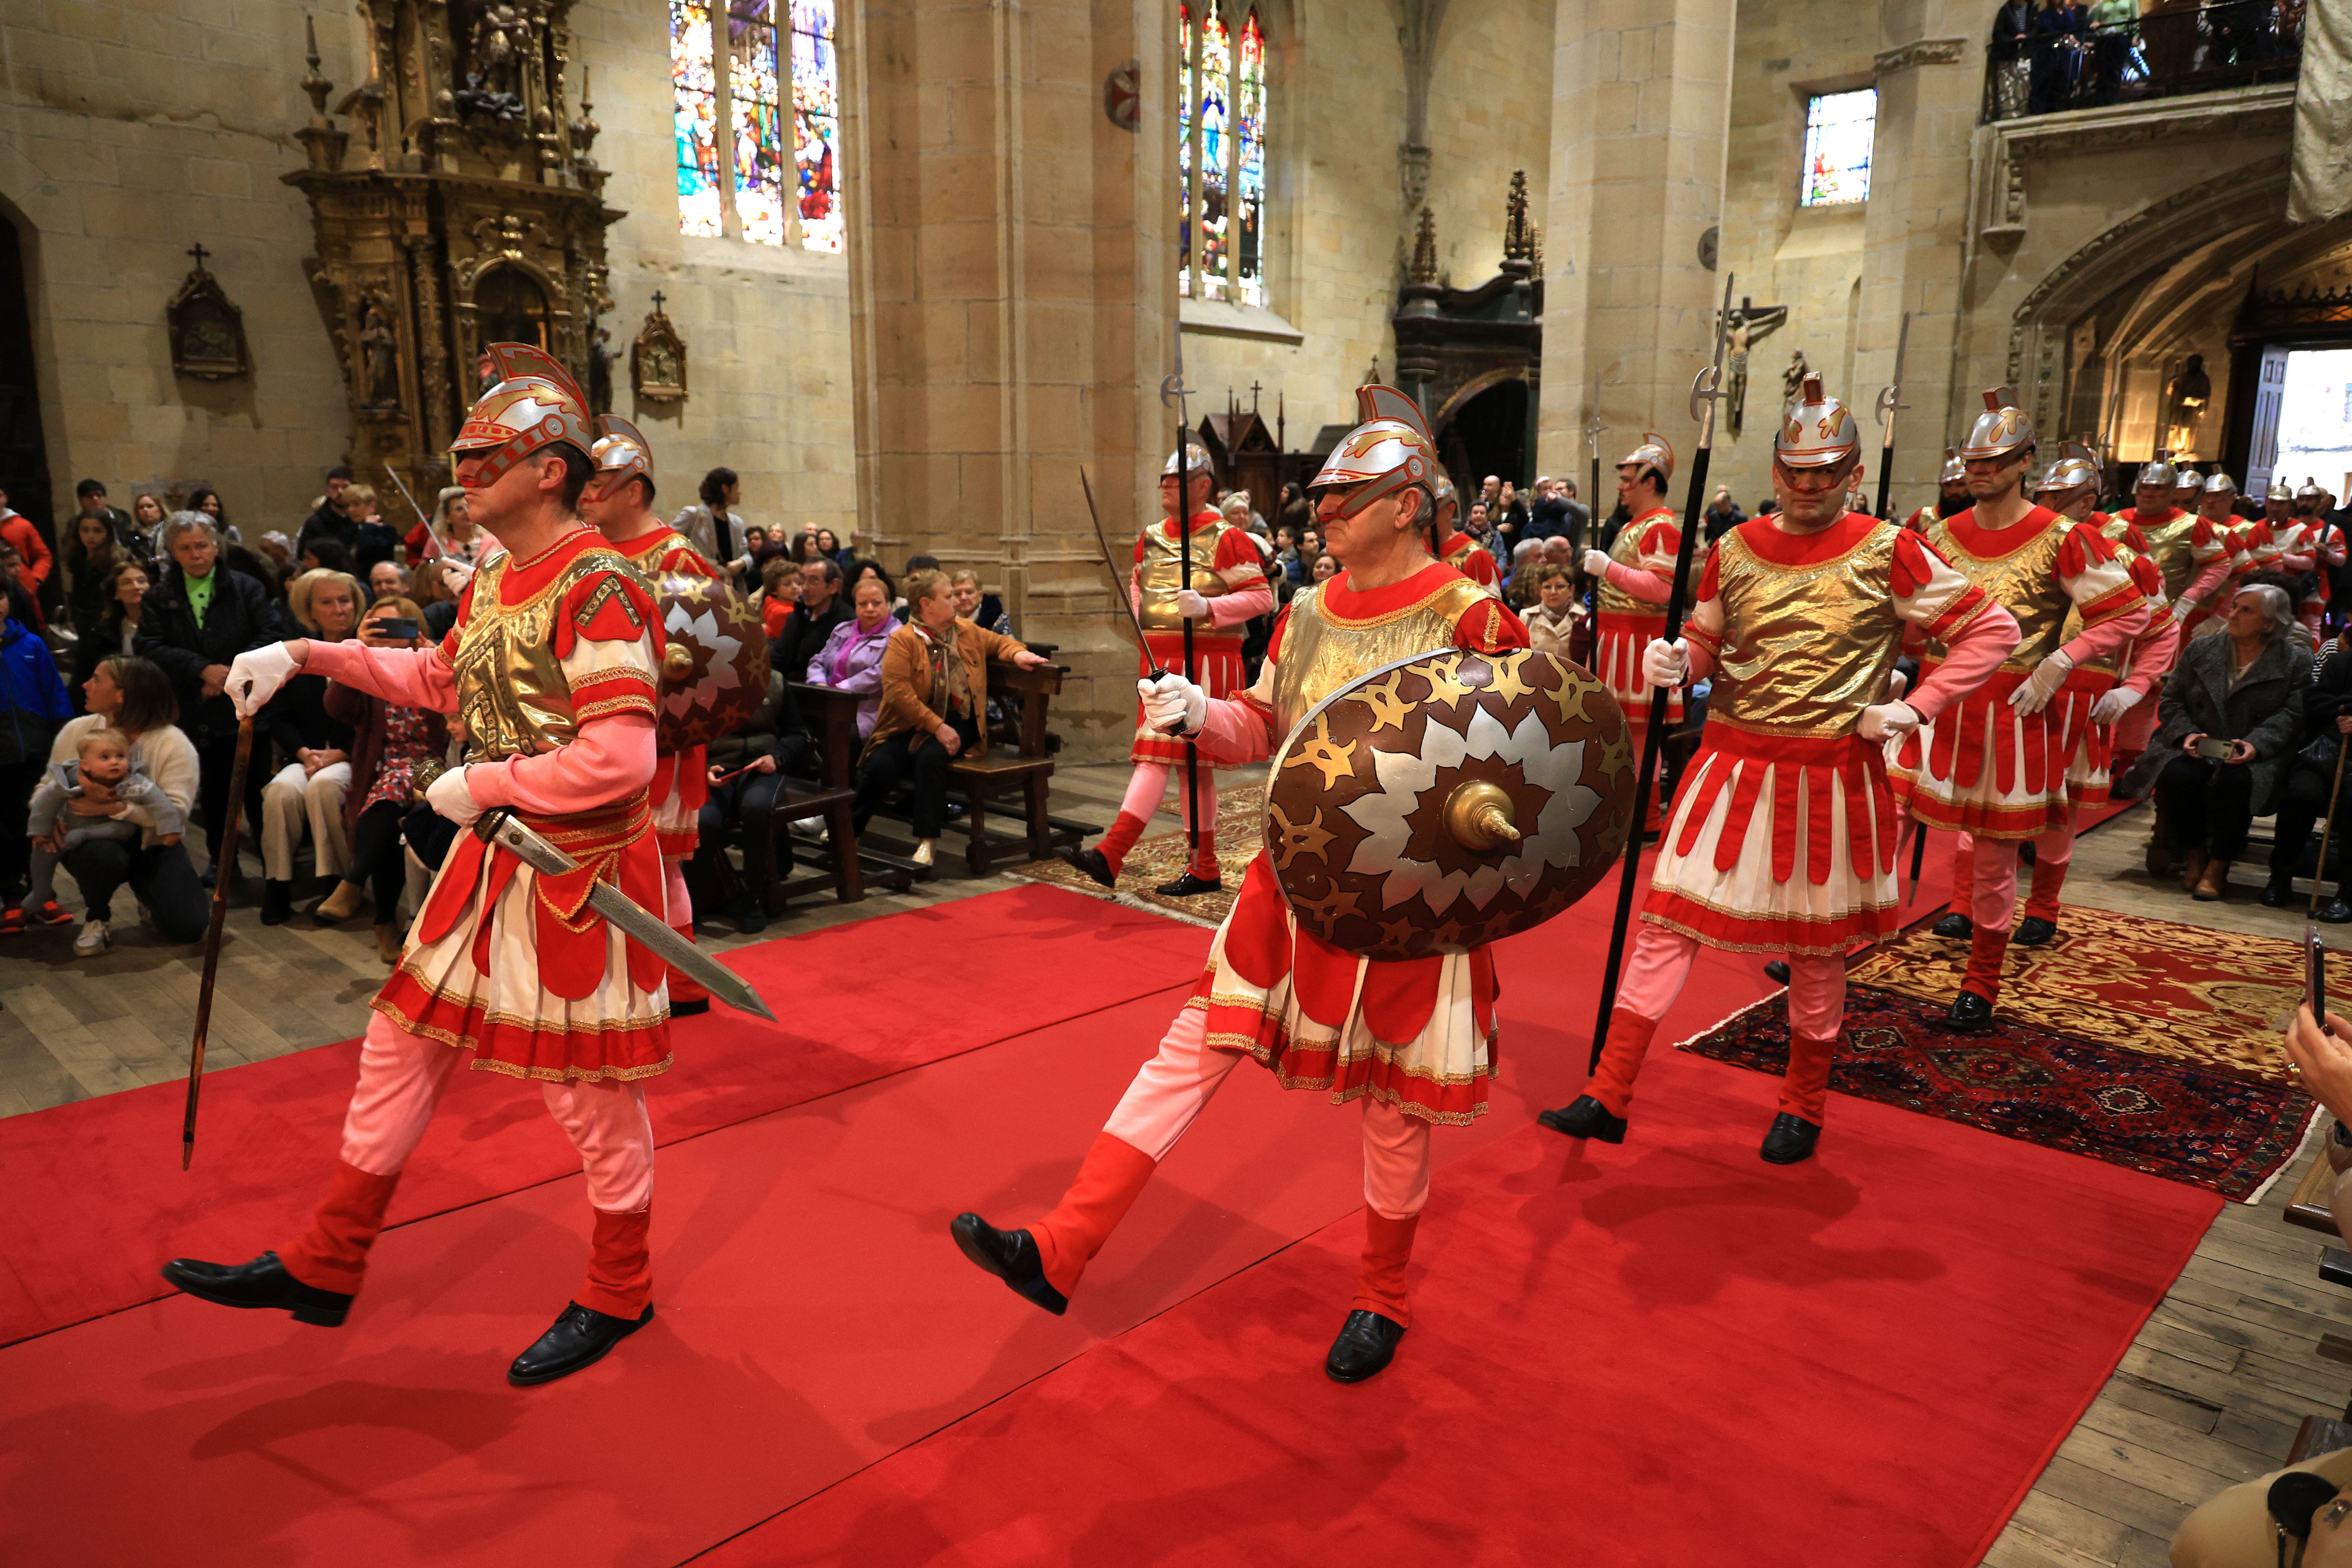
{"x": 832, "y": 718}
{"x": 1029, "y": 769}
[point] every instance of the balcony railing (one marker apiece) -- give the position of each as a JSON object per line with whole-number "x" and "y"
{"x": 2172, "y": 49}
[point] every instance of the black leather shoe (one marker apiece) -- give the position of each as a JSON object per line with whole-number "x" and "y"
{"x": 1969, "y": 1013}
{"x": 276, "y": 903}
{"x": 1777, "y": 972}
{"x": 693, "y": 1009}
{"x": 2336, "y": 912}
{"x": 1585, "y": 1117}
{"x": 2025, "y": 853}
{"x": 263, "y": 1282}
{"x": 1790, "y": 1139}
{"x": 1186, "y": 885}
{"x": 2032, "y": 932}
{"x": 2276, "y": 895}
{"x": 1367, "y": 1343}
{"x": 1092, "y": 862}
{"x": 1955, "y": 926}
{"x": 579, "y": 1337}
{"x": 1012, "y": 1257}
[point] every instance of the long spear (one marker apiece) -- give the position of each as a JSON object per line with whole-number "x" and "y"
{"x": 224, "y": 873}
{"x": 1705, "y": 390}
{"x": 1890, "y": 403}
{"x": 1172, "y": 393}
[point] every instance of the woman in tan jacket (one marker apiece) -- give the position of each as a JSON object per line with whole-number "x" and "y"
{"x": 934, "y": 694}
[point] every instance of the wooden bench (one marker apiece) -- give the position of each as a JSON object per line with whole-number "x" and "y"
{"x": 1030, "y": 770}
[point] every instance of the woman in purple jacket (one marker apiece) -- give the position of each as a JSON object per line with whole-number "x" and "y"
{"x": 851, "y": 659}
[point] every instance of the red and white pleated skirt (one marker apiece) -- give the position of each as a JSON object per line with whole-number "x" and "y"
{"x": 1216, "y": 667}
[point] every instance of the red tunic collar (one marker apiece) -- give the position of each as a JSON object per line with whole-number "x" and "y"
{"x": 1344, "y": 601}
{"x": 1767, "y": 538}
{"x": 1202, "y": 519}
{"x": 1989, "y": 543}
{"x": 2134, "y": 516}
{"x": 525, "y": 578}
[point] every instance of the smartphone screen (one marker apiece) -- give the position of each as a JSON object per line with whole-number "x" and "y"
{"x": 2315, "y": 974}
{"x": 399, "y": 626}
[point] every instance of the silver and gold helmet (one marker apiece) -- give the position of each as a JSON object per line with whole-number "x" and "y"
{"x": 531, "y": 402}
{"x": 2000, "y": 429}
{"x": 1390, "y": 450}
{"x": 2220, "y": 484}
{"x": 621, "y": 454}
{"x": 2186, "y": 479}
{"x": 2068, "y": 475}
{"x": 2309, "y": 490}
{"x": 1196, "y": 461}
{"x": 1816, "y": 432}
{"x": 1655, "y": 453}
{"x": 1954, "y": 472}
{"x": 1449, "y": 499}
{"x": 2157, "y": 472}
{"x": 2280, "y": 490}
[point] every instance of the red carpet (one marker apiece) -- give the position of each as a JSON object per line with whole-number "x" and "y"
{"x": 1655, "y": 1354}
{"x": 99, "y": 1198}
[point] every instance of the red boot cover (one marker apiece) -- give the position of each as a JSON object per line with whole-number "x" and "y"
{"x": 1388, "y": 1247}
{"x": 1612, "y": 1082}
{"x": 1120, "y": 839}
{"x": 1204, "y": 859}
{"x": 620, "y": 1266}
{"x": 1805, "y": 1091}
{"x": 2049, "y": 876}
{"x": 1964, "y": 872}
{"x": 1068, "y": 1238}
{"x": 682, "y": 988}
{"x": 1986, "y": 951}
{"x": 332, "y": 1255}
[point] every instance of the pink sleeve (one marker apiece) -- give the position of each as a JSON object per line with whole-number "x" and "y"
{"x": 2108, "y": 636}
{"x": 409, "y": 677}
{"x": 1242, "y": 604}
{"x": 2201, "y": 588}
{"x": 1647, "y": 586}
{"x": 611, "y": 758}
{"x": 1974, "y": 651}
{"x": 1235, "y": 731}
{"x": 2153, "y": 658}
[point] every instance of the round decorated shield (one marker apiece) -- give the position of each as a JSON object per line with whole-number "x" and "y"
{"x": 715, "y": 669}
{"x": 1447, "y": 800}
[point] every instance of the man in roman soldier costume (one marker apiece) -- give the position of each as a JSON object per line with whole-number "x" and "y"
{"x": 553, "y": 665}
{"x": 1459, "y": 551}
{"x": 2102, "y": 696}
{"x": 1636, "y": 574}
{"x": 618, "y": 503}
{"x": 2190, "y": 553}
{"x": 1993, "y": 766}
{"x": 1228, "y": 589}
{"x": 1800, "y": 614}
{"x": 1411, "y": 1038}
{"x": 2324, "y": 541}
{"x": 2246, "y": 543}
{"x": 1952, "y": 493}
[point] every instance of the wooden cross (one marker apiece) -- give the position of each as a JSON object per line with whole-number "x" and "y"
{"x": 199, "y": 252}
{"x": 1253, "y": 391}
{"x": 657, "y": 301}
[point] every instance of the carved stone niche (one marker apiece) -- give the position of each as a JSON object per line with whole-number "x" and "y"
{"x": 207, "y": 332}
{"x": 658, "y": 360}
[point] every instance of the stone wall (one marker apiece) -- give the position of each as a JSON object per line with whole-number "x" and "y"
{"x": 128, "y": 134}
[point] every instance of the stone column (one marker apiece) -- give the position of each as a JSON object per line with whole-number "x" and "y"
{"x": 1640, "y": 98}
{"x": 1930, "y": 75}
{"x": 1011, "y": 287}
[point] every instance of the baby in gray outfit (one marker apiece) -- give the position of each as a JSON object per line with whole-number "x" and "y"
{"x": 89, "y": 798}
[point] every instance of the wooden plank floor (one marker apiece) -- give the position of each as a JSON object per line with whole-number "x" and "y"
{"x": 2248, "y": 1343}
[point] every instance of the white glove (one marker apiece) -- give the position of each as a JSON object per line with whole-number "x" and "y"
{"x": 449, "y": 796}
{"x": 1172, "y": 704}
{"x": 1596, "y": 563}
{"x": 2113, "y": 706}
{"x": 1889, "y": 721}
{"x": 456, "y": 574}
{"x": 1190, "y": 606}
{"x": 1897, "y": 683}
{"x": 1665, "y": 663}
{"x": 2034, "y": 693}
{"x": 255, "y": 677}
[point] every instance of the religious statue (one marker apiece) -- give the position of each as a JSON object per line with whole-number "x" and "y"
{"x": 2184, "y": 401}
{"x": 1792, "y": 380}
{"x": 1745, "y": 324}
{"x": 380, "y": 356}
{"x": 494, "y": 64}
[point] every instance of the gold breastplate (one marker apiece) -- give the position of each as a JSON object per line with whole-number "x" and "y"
{"x": 1321, "y": 652}
{"x": 2024, "y": 582}
{"x": 647, "y": 561}
{"x": 1805, "y": 648}
{"x": 2171, "y": 544}
{"x": 511, "y": 690}
{"x": 1162, "y": 573}
{"x": 1626, "y": 550}
{"x": 2117, "y": 533}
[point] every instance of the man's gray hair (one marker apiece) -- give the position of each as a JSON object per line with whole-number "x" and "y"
{"x": 1525, "y": 548}
{"x": 180, "y": 522}
{"x": 2278, "y": 613}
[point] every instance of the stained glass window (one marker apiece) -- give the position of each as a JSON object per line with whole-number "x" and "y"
{"x": 1838, "y": 129}
{"x": 755, "y": 113}
{"x": 1221, "y": 151}
{"x": 695, "y": 88}
{"x": 816, "y": 123}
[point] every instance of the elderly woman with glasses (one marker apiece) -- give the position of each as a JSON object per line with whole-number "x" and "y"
{"x": 2229, "y": 719}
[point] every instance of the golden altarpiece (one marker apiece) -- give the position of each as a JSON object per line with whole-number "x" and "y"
{"x": 456, "y": 206}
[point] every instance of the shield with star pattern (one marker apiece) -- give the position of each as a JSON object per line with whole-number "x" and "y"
{"x": 1448, "y": 800}
{"x": 715, "y": 669}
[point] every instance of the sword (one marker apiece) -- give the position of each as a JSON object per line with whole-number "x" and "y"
{"x": 1119, "y": 588}
{"x": 438, "y": 548}
{"x": 501, "y": 826}
{"x": 1918, "y": 859}
{"x": 224, "y": 875}
{"x": 1890, "y": 402}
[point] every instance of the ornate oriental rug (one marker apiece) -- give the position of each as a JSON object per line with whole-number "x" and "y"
{"x": 2139, "y": 1042}
{"x": 1162, "y": 857}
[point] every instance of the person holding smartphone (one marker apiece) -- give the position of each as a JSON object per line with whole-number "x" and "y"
{"x": 390, "y": 743}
